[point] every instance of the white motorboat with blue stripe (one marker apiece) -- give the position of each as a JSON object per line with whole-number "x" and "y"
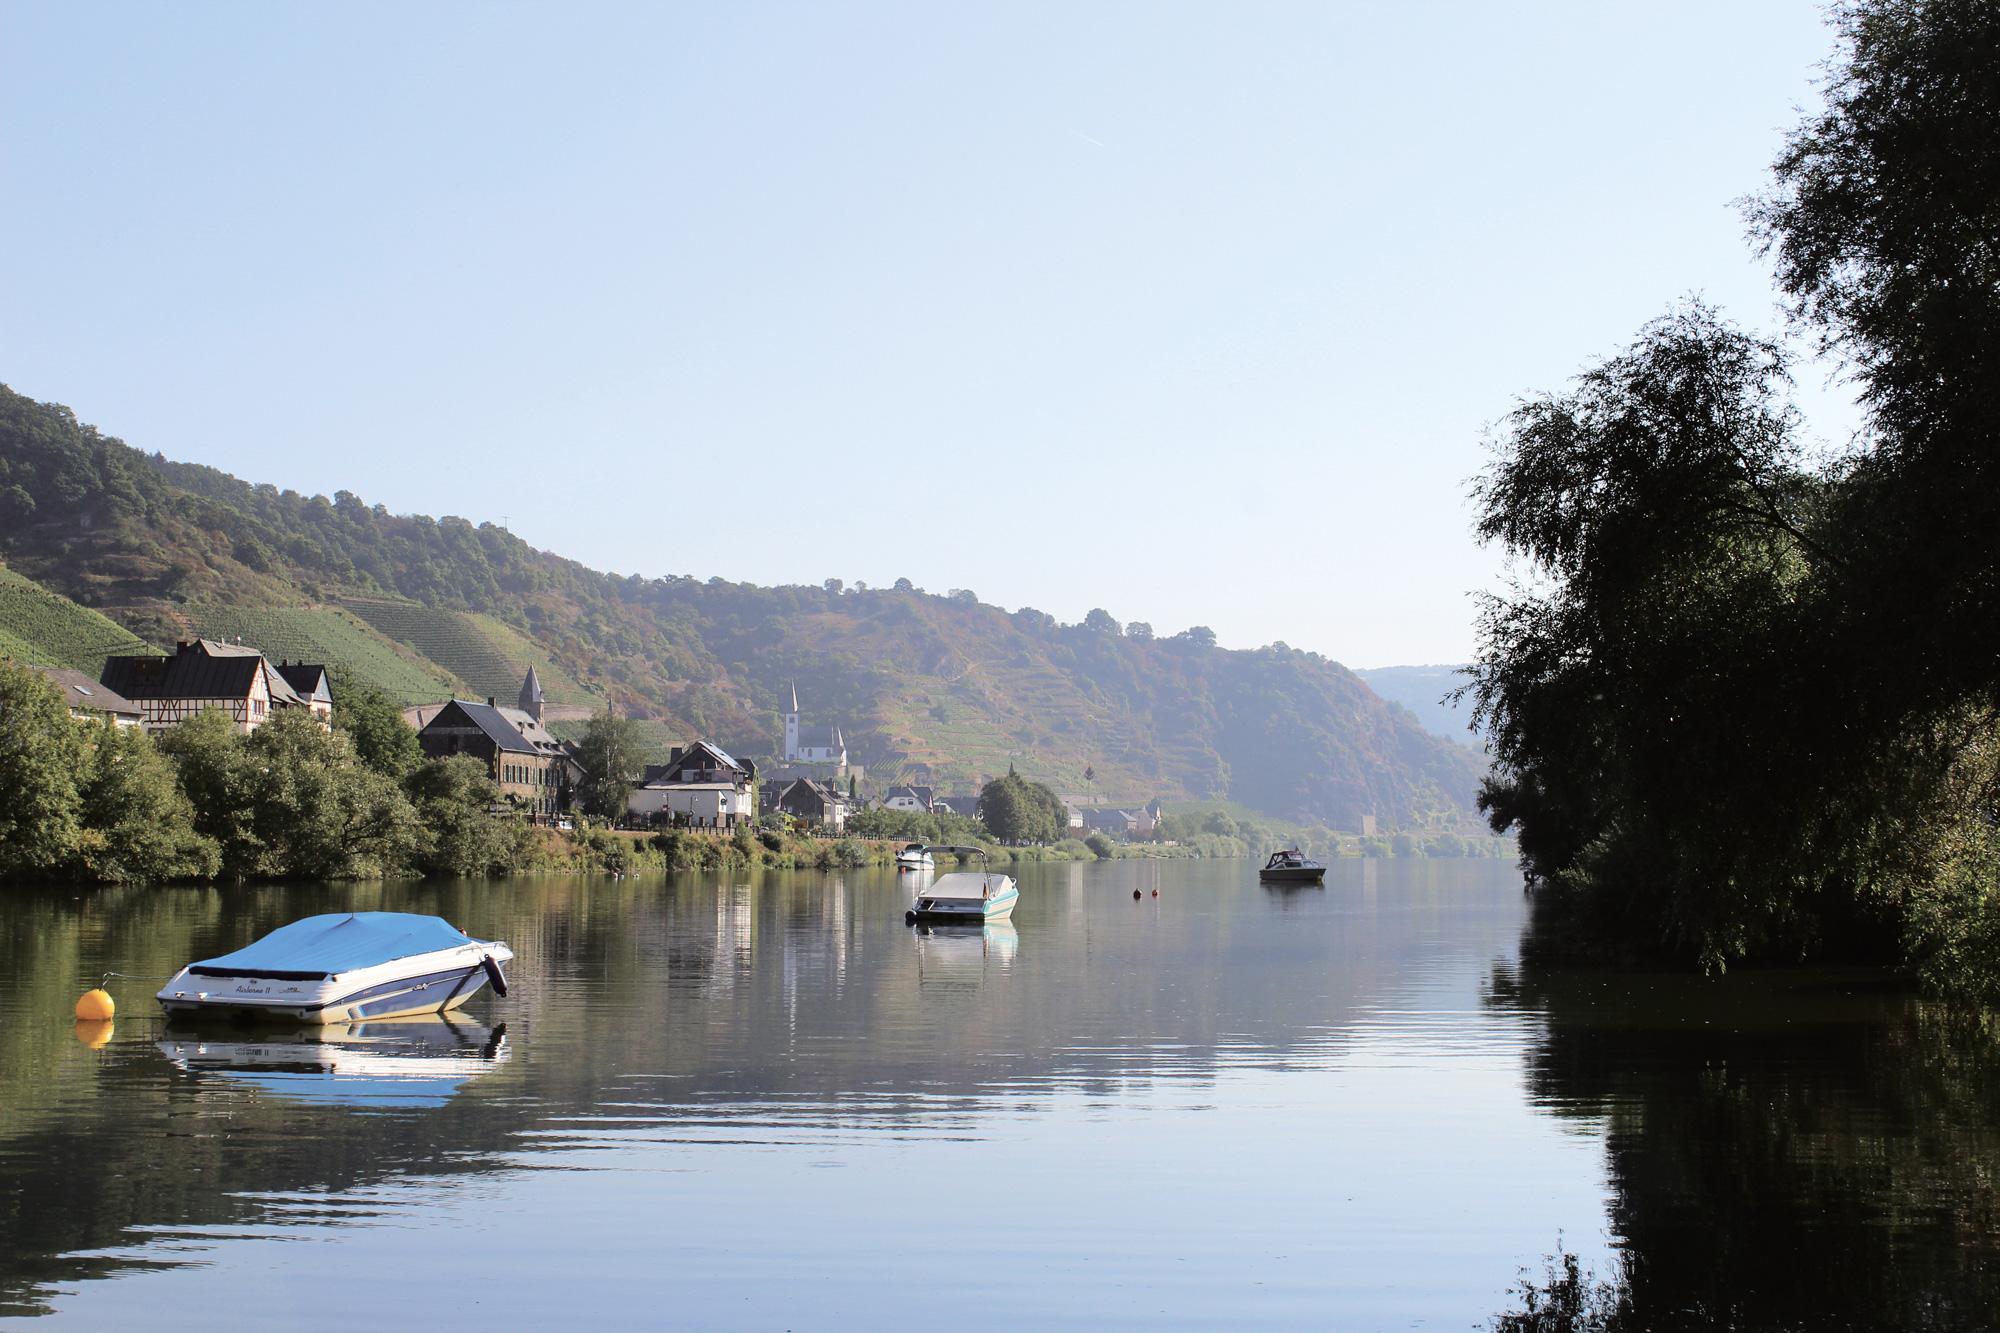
{"x": 979, "y": 895}
{"x": 342, "y": 967}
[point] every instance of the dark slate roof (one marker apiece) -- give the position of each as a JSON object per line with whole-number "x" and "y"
{"x": 203, "y": 669}
{"x": 488, "y": 719}
{"x": 809, "y": 787}
{"x": 80, "y": 691}
{"x": 820, "y": 738}
{"x": 310, "y": 682}
{"x": 185, "y": 675}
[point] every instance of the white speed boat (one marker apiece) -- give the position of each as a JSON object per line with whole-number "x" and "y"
{"x": 916, "y": 856}
{"x": 965, "y": 895}
{"x": 342, "y": 968}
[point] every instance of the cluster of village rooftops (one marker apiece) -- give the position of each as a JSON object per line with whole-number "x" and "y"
{"x": 701, "y": 785}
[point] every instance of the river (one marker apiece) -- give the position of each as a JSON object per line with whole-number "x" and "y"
{"x": 760, "y": 1101}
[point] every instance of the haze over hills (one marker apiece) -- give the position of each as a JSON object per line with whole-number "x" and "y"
{"x": 1426, "y": 691}
{"x": 427, "y": 608}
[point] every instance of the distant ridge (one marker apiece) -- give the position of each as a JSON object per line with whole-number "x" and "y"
{"x": 966, "y": 688}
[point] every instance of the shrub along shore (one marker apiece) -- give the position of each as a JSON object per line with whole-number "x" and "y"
{"x": 91, "y": 803}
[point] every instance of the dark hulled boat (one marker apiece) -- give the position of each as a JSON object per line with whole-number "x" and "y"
{"x": 1291, "y": 867}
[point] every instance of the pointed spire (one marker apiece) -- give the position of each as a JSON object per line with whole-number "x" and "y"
{"x": 795, "y": 696}
{"x": 531, "y": 694}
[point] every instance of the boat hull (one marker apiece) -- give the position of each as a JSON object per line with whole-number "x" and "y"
{"x": 966, "y": 909}
{"x": 434, "y": 983}
{"x": 1293, "y": 875}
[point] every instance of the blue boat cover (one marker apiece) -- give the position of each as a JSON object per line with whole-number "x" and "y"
{"x": 342, "y": 942}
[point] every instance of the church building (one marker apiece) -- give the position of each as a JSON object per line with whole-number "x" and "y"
{"x": 811, "y": 745}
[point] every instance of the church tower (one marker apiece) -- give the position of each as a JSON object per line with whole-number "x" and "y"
{"x": 531, "y": 694}
{"x": 792, "y": 727}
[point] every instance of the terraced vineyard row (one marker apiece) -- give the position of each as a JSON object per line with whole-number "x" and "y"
{"x": 448, "y": 639}
{"x": 327, "y": 636}
{"x": 558, "y": 686}
{"x": 46, "y": 630}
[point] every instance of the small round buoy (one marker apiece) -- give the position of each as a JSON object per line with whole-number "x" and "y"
{"x": 1135, "y": 893}
{"x": 94, "y": 1032}
{"x": 95, "y": 1005}
{"x": 1156, "y": 893}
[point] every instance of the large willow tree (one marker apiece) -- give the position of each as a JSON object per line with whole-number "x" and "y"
{"x": 1744, "y": 704}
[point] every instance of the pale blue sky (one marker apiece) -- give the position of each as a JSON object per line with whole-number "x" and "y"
{"x": 1194, "y": 312}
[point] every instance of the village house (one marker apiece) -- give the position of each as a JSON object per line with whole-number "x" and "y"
{"x": 312, "y": 684}
{"x": 817, "y": 803}
{"x": 203, "y": 674}
{"x": 530, "y": 765}
{"x": 914, "y": 799}
{"x": 700, "y": 786}
{"x": 956, "y": 805}
{"x": 1124, "y": 825}
{"x": 91, "y": 700}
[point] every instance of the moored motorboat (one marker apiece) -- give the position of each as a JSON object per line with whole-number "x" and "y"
{"x": 1292, "y": 867}
{"x": 916, "y": 856}
{"x": 342, "y": 967}
{"x": 966, "y": 895}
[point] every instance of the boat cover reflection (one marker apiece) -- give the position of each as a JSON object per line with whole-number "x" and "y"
{"x": 401, "y": 1062}
{"x": 972, "y": 943}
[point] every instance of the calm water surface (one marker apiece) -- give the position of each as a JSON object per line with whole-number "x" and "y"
{"x": 760, "y": 1101}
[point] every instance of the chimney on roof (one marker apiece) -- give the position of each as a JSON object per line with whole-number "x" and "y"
{"x": 489, "y": 701}
{"x": 673, "y": 756}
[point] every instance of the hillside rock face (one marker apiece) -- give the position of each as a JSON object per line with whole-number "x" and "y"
{"x": 966, "y": 688}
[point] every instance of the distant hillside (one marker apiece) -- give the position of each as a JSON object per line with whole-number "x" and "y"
{"x": 1423, "y": 690}
{"x": 164, "y": 548}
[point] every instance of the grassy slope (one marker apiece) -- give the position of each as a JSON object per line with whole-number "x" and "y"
{"x": 45, "y": 629}
{"x": 910, "y": 678}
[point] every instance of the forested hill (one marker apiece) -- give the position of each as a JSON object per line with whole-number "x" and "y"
{"x": 168, "y": 549}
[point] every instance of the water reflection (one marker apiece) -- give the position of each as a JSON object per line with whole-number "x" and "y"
{"x": 1786, "y": 1150}
{"x": 399, "y": 1062}
{"x": 1085, "y": 1062}
{"x": 975, "y": 946}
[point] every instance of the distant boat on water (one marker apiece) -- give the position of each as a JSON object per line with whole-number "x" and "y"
{"x": 1291, "y": 867}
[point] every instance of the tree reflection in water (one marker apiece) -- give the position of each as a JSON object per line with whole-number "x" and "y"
{"x": 1787, "y": 1149}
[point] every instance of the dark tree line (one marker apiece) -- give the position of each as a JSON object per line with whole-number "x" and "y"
{"x": 1745, "y": 699}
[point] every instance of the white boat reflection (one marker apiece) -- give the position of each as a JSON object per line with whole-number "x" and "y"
{"x": 969, "y": 945}
{"x": 397, "y": 1062}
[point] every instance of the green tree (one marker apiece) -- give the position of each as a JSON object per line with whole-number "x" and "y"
{"x": 457, "y": 836}
{"x": 290, "y": 799}
{"x": 42, "y": 764}
{"x": 611, "y": 753}
{"x": 1752, "y": 706}
{"x": 374, "y": 723}
{"x": 204, "y": 752}
{"x": 1101, "y": 846}
{"x": 315, "y": 810}
{"x": 138, "y": 824}
{"x": 1017, "y": 810}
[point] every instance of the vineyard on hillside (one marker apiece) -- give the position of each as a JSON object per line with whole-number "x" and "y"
{"x": 558, "y": 685}
{"x": 449, "y": 639}
{"x": 326, "y": 636}
{"x": 43, "y": 629}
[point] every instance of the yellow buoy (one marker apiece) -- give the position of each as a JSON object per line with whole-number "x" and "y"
{"x": 95, "y": 1005}
{"x": 94, "y": 1032}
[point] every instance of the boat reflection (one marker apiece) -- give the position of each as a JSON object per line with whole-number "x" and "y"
{"x": 968, "y": 945}
{"x": 400, "y": 1062}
